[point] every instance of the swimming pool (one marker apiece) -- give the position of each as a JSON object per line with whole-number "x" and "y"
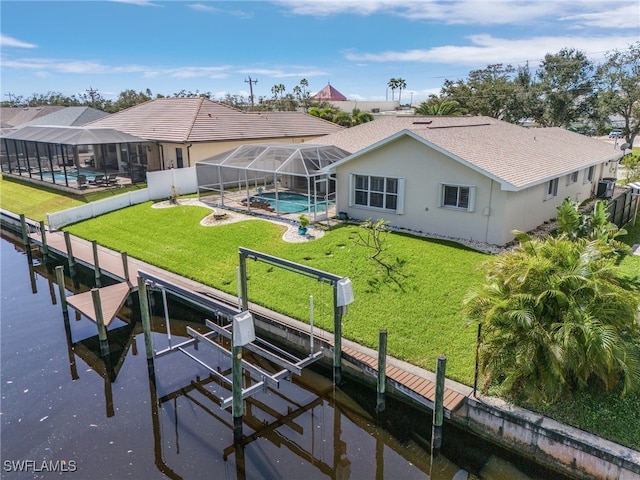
{"x": 58, "y": 176}
{"x": 289, "y": 202}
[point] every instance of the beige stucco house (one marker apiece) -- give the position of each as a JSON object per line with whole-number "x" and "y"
{"x": 183, "y": 131}
{"x": 473, "y": 178}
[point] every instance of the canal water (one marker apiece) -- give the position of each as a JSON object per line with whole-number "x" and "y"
{"x": 66, "y": 411}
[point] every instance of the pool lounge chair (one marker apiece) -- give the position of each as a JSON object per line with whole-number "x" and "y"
{"x": 112, "y": 179}
{"x": 97, "y": 180}
{"x": 82, "y": 181}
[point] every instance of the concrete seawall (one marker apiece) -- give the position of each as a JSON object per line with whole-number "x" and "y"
{"x": 559, "y": 447}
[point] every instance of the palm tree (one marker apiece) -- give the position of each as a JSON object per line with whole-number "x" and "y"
{"x": 440, "y": 107}
{"x": 401, "y": 84}
{"x": 358, "y": 116}
{"x": 555, "y": 316}
{"x": 393, "y": 84}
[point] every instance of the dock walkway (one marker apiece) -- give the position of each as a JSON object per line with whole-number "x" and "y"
{"x": 417, "y": 383}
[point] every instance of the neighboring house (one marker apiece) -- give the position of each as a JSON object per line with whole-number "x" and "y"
{"x": 338, "y": 100}
{"x": 13, "y": 117}
{"x": 473, "y": 178}
{"x": 186, "y": 130}
{"x": 69, "y": 117}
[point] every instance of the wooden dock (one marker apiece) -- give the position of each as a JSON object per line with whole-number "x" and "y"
{"x": 417, "y": 387}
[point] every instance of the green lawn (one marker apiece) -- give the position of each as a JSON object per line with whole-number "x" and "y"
{"x": 417, "y": 296}
{"x": 35, "y": 201}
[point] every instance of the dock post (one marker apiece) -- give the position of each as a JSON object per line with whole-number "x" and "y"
{"x": 125, "y": 265}
{"x": 102, "y": 329}
{"x": 71, "y": 261}
{"x": 337, "y": 339}
{"x": 26, "y": 240}
{"x": 146, "y": 319}
{"x": 436, "y": 431}
{"x": 96, "y": 263}
{"x": 45, "y": 247}
{"x": 382, "y": 371}
{"x": 61, "y": 289}
{"x": 237, "y": 406}
{"x": 475, "y": 376}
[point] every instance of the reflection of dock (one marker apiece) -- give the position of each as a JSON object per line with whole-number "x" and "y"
{"x": 421, "y": 388}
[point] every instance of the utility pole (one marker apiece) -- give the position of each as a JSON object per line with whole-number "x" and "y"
{"x": 92, "y": 94}
{"x": 10, "y": 95}
{"x": 251, "y": 82}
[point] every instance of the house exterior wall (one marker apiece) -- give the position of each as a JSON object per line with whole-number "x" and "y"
{"x": 424, "y": 170}
{"x": 495, "y": 214}
{"x": 201, "y": 151}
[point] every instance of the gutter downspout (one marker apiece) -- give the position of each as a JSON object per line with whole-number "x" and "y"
{"x": 486, "y": 232}
{"x": 189, "y": 154}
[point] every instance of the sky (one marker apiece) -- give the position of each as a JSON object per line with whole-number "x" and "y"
{"x": 356, "y": 45}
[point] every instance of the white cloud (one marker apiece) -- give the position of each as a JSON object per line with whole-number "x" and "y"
{"x": 486, "y": 49}
{"x": 617, "y": 16}
{"x": 297, "y": 72}
{"x": 592, "y": 13}
{"x": 6, "y": 41}
{"x": 140, "y": 3}
{"x": 199, "y": 7}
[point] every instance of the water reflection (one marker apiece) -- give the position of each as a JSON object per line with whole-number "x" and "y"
{"x": 162, "y": 419}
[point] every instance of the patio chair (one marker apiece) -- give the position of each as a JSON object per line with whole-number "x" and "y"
{"x": 82, "y": 181}
{"x": 111, "y": 179}
{"x": 97, "y": 180}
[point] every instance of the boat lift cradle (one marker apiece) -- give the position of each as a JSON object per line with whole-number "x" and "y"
{"x": 261, "y": 377}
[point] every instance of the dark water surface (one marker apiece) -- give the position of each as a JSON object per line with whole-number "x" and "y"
{"x": 66, "y": 412}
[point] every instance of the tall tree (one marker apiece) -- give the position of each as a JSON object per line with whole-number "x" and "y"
{"x": 401, "y": 84}
{"x": 619, "y": 89}
{"x": 485, "y": 92}
{"x": 131, "y": 98}
{"x": 393, "y": 84}
{"x": 565, "y": 82}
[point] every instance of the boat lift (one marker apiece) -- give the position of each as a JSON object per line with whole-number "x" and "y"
{"x": 240, "y": 330}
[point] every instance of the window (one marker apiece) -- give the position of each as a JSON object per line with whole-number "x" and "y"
{"x": 383, "y": 193}
{"x": 588, "y": 174}
{"x": 458, "y": 196}
{"x": 552, "y": 189}
{"x": 572, "y": 178}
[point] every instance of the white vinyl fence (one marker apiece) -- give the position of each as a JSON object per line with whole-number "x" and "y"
{"x": 160, "y": 185}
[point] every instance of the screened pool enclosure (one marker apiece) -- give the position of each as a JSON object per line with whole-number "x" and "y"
{"x": 282, "y": 179}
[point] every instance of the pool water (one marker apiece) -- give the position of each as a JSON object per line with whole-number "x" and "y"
{"x": 289, "y": 202}
{"x": 72, "y": 175}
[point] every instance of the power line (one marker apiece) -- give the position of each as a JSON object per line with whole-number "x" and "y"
{"x": 92, "y": 94}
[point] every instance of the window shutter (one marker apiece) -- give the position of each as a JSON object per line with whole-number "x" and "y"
{"x": 400, "y": 203}
{"x": 472, "y": 199}
{"x": 352, "y": 190}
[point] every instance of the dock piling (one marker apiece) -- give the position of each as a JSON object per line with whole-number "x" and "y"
{"x": 45, "y": 247}
{"x": 436, "y": 431}
{"x": 96, "y": 263}
{"x": 71, "y": 261}
{"x": 146, "y": 319}
{"x": 61, "y": 289}
{"x": 125, "y": 265}
{"x": 102, "y": 329}
{"x": 382, "y": 371}
{"x": 26, "y": 240}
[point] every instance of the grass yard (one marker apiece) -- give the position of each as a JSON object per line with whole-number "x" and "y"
{"x": 417, "y": 296}
{"x": 36, "y": 200}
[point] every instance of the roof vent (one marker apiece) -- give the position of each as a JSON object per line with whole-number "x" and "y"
{"x": 423, "y": 122}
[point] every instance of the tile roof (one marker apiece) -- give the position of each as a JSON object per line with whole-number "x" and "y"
{"x": 516, "y": 156}
{"x": 16, "y": 116}
{"x": 183, "y": 120}
{"x": 69, "y": 117}
{"x": 329, "y": 93}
